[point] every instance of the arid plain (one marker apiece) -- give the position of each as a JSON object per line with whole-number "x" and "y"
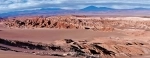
{"x": 75, "y": 36}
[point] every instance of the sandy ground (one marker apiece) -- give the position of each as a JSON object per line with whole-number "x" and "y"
{"x": 48, "y": 35}
{"x": 145, "y": 56}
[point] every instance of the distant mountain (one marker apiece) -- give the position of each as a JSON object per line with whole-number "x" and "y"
{"x": 94, "y": 8}
{"x": 87, "y": 10}
{"x": 41, "y": 11}
{"x": 141, "y": 9}
{"x": 50, "y": 9}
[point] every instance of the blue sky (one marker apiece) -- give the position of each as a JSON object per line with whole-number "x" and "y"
{"x": 13, "y": 5}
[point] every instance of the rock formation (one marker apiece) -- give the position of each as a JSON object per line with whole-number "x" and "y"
{"x": 76, "y": 22}
{"x": 100, "y": 49}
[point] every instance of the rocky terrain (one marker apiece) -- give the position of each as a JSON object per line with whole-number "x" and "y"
{"x": 79, "y": 22}
{"x": 132, "y": 41}
{"x": 97, "y": 48}
{"x": 60, "y": 22}
{"x": 67, "y": 47}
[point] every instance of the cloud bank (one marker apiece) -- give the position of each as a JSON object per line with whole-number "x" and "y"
{"x": 13, "y": 5}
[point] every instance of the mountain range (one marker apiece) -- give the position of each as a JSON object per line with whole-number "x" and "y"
{"x": 93, "y": 8}
{"x": 86, "y": 10}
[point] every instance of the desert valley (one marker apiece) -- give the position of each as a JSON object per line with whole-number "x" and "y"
{"x": 74, "y": 36}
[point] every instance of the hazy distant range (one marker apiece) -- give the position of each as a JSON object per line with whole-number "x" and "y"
{"x": 90, "y": 10}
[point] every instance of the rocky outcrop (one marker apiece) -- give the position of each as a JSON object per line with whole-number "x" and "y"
{"x": 77, "y": 22}
{"x": 60, "y": 22}
{"x": 29, "y": 45}
{"x": 68, "y": 47}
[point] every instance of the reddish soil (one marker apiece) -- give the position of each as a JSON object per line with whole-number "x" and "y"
{"x": 124, "y": 36}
